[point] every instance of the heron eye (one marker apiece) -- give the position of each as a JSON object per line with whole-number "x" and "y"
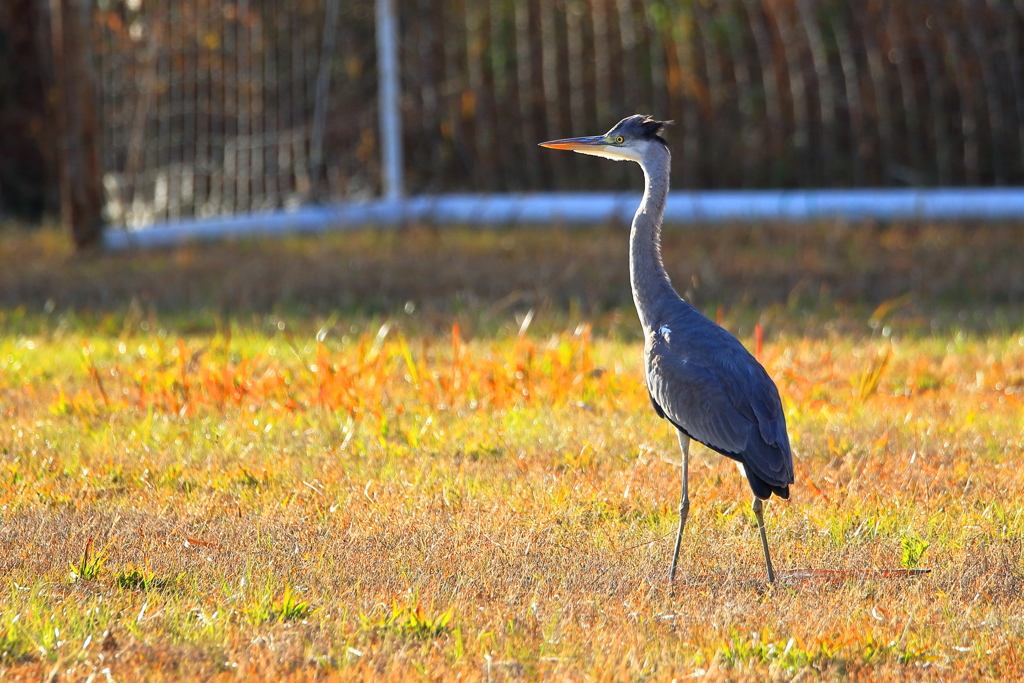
{"x": 619, "y": 139}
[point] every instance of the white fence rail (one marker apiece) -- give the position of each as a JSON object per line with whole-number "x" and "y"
{"x": 684, "y": 208}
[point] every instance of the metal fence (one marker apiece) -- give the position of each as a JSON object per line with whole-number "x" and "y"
{"x": 215, "y": 108}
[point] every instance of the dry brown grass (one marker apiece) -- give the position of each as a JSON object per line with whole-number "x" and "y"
{"x": 943, "y": 266}
{"x": 268, "y": 505}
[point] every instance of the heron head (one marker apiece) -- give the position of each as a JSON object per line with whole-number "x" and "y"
{"x": 628, "y": 140}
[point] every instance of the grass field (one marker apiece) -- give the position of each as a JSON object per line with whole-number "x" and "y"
{"x": 430, "y": 455}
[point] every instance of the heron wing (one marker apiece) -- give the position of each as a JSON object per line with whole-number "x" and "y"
{"x": 690, "y": 397}
{"x": 724, "y": 400}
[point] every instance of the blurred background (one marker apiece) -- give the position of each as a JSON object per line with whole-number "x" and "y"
{"x": 205, "y": 108}
{"x": 144, "y": 111}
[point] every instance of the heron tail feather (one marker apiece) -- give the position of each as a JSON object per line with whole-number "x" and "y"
{"x": 763, "y": 489}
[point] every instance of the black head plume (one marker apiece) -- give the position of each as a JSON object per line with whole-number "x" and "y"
{"x": 640, "y": 127}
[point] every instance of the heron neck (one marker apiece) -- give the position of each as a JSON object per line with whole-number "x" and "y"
{"x": 649, "y": 281}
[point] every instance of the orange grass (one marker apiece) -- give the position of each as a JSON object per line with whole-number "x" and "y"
{"x": 307, "y": 497}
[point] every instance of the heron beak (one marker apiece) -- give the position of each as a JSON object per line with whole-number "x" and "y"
{"x": 596, "y": 146}
{"x": 578, "y": 144}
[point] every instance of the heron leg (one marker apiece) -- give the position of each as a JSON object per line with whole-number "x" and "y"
{"x": 758, "y": 507}
{"x": 684, "y": 503}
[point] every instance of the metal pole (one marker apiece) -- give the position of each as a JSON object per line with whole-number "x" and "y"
{"x": 388, "y": 94}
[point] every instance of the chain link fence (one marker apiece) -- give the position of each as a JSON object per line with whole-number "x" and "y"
{"x": 209, "y": 107}
{"x": 215, "y": 108}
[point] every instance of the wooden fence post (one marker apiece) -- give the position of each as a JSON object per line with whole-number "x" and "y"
{"x": 78, "y": 147}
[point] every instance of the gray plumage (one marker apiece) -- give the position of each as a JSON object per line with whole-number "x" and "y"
{"x": 705, "y": 383}
{"x": 700, "y": 377}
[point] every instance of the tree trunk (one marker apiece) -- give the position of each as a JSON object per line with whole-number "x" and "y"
{"x": 81, "y": 185}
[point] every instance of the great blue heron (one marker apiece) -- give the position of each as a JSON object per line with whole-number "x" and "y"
{"x": 699, "y": 377}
